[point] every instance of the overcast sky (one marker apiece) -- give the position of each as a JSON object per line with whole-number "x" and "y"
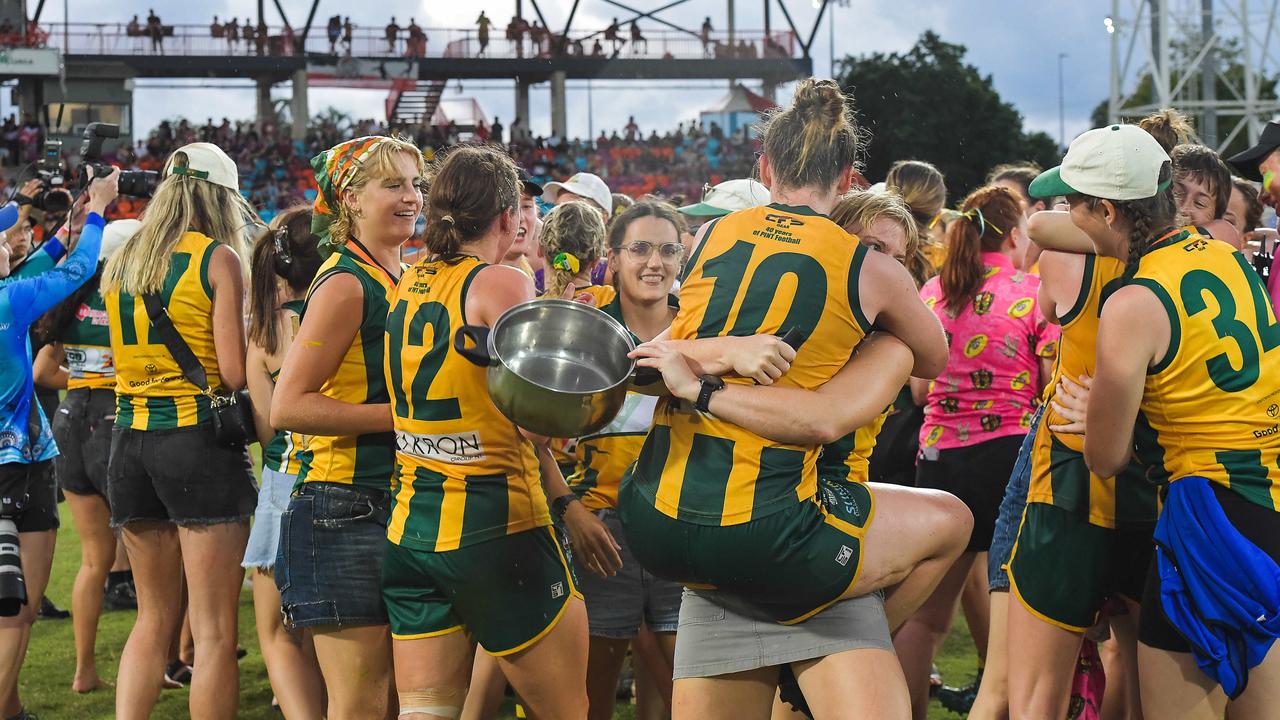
{"x": 1017, "y": 43}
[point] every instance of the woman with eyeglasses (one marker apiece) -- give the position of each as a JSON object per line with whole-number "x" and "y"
{"x": 645, "y": 256}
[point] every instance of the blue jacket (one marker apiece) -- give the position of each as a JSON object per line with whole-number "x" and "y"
{"x": 22, "y": 302}
{"x": 1217, "y": 588}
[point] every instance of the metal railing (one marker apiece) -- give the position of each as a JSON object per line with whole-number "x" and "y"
{"x": 130, "y": 39}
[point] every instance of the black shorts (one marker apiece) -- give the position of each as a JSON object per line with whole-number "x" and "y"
{"x": 82, "y": 428}
{"x": 1256, "y": 523}
{"x": 977, "y": 474}
{"x": 182, "y": 476}
{"x": 38, "y": 509}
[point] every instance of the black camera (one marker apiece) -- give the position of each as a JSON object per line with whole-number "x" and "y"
{"x": 53, "y": 196}
{"x": 138, "y": 183}
{"x": 14, "y": 485}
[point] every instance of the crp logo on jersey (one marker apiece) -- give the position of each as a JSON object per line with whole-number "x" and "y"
{"x": 784, "y": 221}
{"x": 460, "y": 447}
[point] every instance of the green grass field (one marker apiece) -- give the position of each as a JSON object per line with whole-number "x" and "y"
{"x": 46, "y": 677}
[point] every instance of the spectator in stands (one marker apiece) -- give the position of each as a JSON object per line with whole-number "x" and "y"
{"x": 482, "y": 25}
{"x": 417, "y": 46}
{"x": 495, "y": 132}
{"x": 393, "y": 32}
{"x": 134, "y": 28}
{"x": 705, "y": 35}
{"x": 215, "y": 28}
{"x": 515, "y": 33}
{"x": 597, "y": 50}
{"x": 346, "y": 33}
{"x": 611, "y": 34}
{"x": 232, "y": 32}
{"x": 247, "y": 32}
{"x": 334, "y": 31}
{"x": 632, "y": 130}
{"x": 156, "y": 32}
{"x": 261, "y": 37}
{"x": 637, "y": 38}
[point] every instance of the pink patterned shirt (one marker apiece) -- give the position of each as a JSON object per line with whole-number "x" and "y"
{"x": 989, "y": 388}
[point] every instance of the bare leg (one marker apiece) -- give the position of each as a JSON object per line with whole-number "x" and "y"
{"x": 97, "y": 552}
{"x": 976, "y": 603}
{"x": 157, "y": 574}
{"x": 551, "y": 676}
{"x": 869, "y": 678}
{"x": 488, "y": 685}
{"x": 441, "y": 665}
{"x": 121, "y": 562}
{"x": 918, "y": 638}
{"x": 914, "y": 539}
{"x": 604, "y": 664}
{"x": 15, "y": 632}
{"x": 1262, "y": 696}
{"x": 739, "y": 696}
{"x": 1122, "y": 699}
{"x": 211, "y": 555}
{"x": 654, "y": 654}
{"x": 1173, "y": 687}
{"x": 1040, "y": 680}
{"x": 992, "y": 702}
{"x": 356, "y": 665}
{"x": 290, "y": 659}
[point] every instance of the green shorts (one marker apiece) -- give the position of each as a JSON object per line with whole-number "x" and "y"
{"x": 1064, "y": 568}
{"x": 507, "y": 592}
{"x": 791, "y": 564}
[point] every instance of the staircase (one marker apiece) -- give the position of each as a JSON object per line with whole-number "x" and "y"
{"x": 413, "y": 102}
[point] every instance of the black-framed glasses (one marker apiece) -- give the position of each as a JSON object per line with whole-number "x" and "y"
{"x": 642, "y": 250}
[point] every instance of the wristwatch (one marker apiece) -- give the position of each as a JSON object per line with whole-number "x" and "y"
{"x": 710, "y": 384}
{"x": 561, "y": 504}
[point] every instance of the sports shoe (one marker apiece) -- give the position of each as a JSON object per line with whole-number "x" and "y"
{"x": 178, "y": 672}
{"x": 49, "y": 611}
{"x": 121, "y": 596}
{"x": 935, "y": 680}
{"x": 789, "y": 691}
{"x": 960, "y": 699}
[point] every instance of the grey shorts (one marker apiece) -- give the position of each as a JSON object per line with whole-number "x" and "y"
{"x": 617, "y": 605}
{"x": 721, "y": 636}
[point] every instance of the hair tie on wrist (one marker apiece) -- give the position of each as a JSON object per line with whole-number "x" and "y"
{"x": 567, "y": 262}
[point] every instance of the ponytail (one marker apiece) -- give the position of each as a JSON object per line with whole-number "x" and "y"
{"x": 286, "y": 250}
{"x": 572, "y": 239}
{"x": 987, "y": 218}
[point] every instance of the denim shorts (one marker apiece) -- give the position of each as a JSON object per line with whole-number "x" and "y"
{"x": 720, "y": 635}
{"x": 617, "y": 605}
{"x": 1010, "y": 515}
{"x": 329, "y": 563}
{"x": 82, "y": 428}
{"x": 264, "y": 536}
{"x": 182, "y": 476}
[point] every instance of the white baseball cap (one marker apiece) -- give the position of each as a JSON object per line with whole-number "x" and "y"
{"x": 116, "y": 234}
{"x": 584, "y": 184}
{"x": 1117, "y": 162}
{"x": 729, "y": 196}
{"x": 208, "y": 162}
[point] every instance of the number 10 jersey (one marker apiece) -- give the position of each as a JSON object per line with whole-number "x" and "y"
{"x": 768, "y": 269}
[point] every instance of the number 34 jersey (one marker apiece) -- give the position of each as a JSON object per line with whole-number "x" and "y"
{"x": 1211, "y": 405}
{"x": 768, "y": 269}
{"x": 464, "y": 473}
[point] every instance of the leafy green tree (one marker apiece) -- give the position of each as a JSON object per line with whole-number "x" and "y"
{"x": 929, "y": 104}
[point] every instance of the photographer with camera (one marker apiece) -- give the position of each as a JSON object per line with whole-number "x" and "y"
{"x": 180, "y": 487}
{"x": 28, "y": 498}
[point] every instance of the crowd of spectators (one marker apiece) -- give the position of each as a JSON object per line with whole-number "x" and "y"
{"x": 275, "y": 173}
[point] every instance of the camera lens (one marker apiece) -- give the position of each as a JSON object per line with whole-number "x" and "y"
{"x": 13, "y": 587}
{"x": 53, "y": 200}
{"x": 139, "y": 183}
